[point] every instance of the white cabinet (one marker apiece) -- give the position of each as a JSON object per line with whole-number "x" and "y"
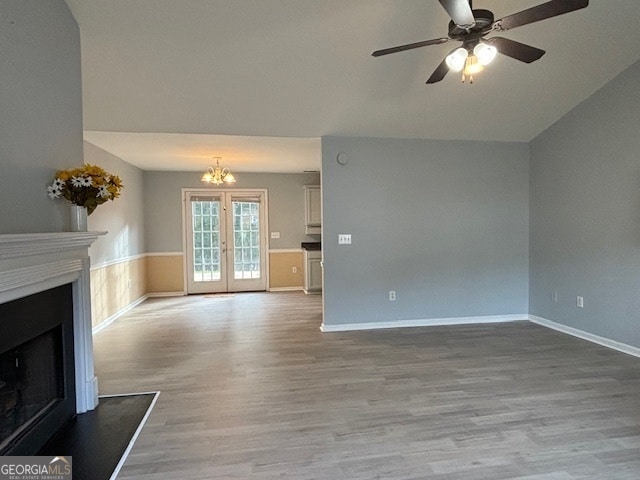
{"x": 313, "y": 209}
{"x": 313, "y": 271}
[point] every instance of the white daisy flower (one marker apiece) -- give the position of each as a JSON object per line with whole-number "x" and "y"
{"x": 87, "y": 181}
{"x": 54, "y": 191}
{"x": 103, "y": 192}
{"x": 77, "y": 181}
{"x": 58, "y": 183}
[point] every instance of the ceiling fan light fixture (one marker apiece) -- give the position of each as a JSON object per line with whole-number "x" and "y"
{"x": 470, "y": 26}
{"x": 472, "y": 65}
{"x": 486, "y": 53}
{"x": 457, "y": 59}
{"x": 218, "y": 175}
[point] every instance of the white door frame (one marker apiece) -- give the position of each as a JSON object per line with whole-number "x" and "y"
{"x": 208, "y": 191}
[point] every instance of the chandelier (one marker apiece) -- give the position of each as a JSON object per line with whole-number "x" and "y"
{"x": 218, "y": 175}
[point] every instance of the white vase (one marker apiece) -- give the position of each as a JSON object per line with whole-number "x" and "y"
{"x": 78, "y": 218}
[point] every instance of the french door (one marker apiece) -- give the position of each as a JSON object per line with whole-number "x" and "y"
{"x": 225, "y": 240}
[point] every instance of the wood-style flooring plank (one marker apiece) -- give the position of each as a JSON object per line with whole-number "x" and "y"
{"x": 252, "y": 389}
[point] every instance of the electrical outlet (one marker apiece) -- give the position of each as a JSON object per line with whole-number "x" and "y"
{"x": 294, "y": 269}
{"x": 344, "y": 239}
{"x": 554, "y": 296}
{"x": 392, "y": 295}
{"x": 579, "y": 302}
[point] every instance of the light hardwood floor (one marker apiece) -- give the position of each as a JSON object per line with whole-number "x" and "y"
{"x": 252, "y": 389}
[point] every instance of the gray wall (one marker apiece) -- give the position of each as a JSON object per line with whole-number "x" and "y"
{"x": 444, "y": 224}
{"x": 585, "y": 214}
{"x": 163, "y": 206}
{"x": 40, "y": 111}
{"x": 122, "y": 218}
{"x": 450, "y": 233}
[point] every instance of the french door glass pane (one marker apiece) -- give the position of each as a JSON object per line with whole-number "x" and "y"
{"x": 246, "y": 240}
{"x": 206, "y": 240}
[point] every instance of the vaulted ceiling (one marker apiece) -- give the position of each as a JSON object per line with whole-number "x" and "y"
{"x": 167, "y": 84}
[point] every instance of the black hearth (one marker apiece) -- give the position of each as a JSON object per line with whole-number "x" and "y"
{"x": 37, "y": 378}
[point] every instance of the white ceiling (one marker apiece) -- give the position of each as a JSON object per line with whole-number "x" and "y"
{"x": 169, "y": 84}
{"x": 185, "y": 152}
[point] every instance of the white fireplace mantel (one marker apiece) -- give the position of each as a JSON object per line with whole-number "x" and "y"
{"x": 35, "y": 262}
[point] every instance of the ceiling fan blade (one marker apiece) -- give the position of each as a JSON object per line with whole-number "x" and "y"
{"x": 539, "y": 12}
{"x": 409, "y": 46}
{"x": 439, "y": 73}
{"x": 460, "y": 12}
{"x": 519, "y": 51}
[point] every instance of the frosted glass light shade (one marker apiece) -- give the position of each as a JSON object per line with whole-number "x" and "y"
{"x": 456, "y": 59}
{"x": 485, "y": 53}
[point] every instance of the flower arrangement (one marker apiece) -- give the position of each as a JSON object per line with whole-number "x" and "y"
{"x": 87, "y": 186}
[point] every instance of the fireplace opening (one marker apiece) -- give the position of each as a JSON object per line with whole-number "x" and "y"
{"x": 37, "y": 381}
{"x": 31, "y": 383}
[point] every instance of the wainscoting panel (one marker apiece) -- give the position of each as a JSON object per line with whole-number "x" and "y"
{"x": 281, "y": 266}
{"x": 165, "y": 272}
{"x": 115, "y": 286}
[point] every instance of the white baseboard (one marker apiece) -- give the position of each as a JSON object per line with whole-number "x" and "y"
{"x": 166, "y": 294}
{"x": 428, "y": 322}
{"x": 590, "y": 337}
{"x": 285, "y": 289}
{"x": 104, "y": 324}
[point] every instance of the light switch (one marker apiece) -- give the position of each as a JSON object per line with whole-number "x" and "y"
{"x": 344, "y": 239}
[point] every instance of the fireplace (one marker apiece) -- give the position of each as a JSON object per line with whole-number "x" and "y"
{"x": 37, "y": 378}
{"x": 46, "y": 347}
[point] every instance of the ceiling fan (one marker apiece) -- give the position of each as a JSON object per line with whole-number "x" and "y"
{"x": 470, "y": 26}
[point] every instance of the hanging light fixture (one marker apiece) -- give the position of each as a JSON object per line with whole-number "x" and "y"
{"x": 457, "y": 59}
{"x": 485, "y": 53}
{"x": 218, "y": 175}
{"x": 471, "y": 62}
